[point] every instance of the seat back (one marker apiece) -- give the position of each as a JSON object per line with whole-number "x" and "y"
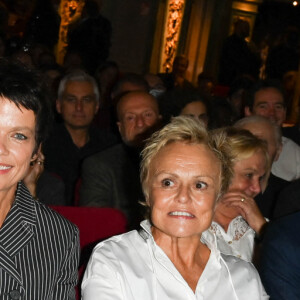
{"x": 94, "y": 224}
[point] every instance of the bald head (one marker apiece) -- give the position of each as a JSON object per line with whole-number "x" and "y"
{"x": 266, "y": 130}
{"x": 138, "y": 117}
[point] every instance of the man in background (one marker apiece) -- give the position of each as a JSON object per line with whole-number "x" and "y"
{"x": 110, "y": 178}
{"x": 74, "y": 139}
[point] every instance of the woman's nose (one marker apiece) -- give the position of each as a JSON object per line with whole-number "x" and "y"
{"x": 183, "y": 194}
{"x": 256, "y": 187}
{"x": 3, "y": 147}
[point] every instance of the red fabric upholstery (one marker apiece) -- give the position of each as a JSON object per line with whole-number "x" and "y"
{"x": 94, "y": 224}
{"x": 221, "y": 91}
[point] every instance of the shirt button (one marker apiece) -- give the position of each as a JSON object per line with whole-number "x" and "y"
{"x": 230, "y": 242}
{"x": 15, "y": 295}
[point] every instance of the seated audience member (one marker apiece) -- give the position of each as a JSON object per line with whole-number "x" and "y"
{"x": 223, "y": 113}
{"x": 237, "y": 218}
{"x": 106, "y": 75}
{"x": 269, "y": 132}
{"x": 266, "y": 99}
{"x": 205, "y": 84}
{"x": 39, "y": 252}
{"x": 280, "y": 260}
{"x": 111, "y": 177}
{"x": 74, "y": 139}
{"x": 129, "y": 82}
{"x": 156, "y": 85}
{"x": 288, "y": 200}
{"x": 183, "y": 174}
{"x": 23, "y": 57}
{"x": 185, "y": 102}
{"x": 236, "y": 95}
{"x": 176, "y": 78}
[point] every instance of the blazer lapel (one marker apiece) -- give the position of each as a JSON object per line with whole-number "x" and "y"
{"x": 17, "y": 230}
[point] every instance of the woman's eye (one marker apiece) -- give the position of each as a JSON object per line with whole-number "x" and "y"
{"x": 262, "y": 178}
{"x": 167, "y": 183}
{"x": 249, "y": 175}
{"x": 20, "y": 136}
{"x": 201, "y": 185}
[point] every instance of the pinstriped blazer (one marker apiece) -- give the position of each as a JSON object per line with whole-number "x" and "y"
{"x": 39, "y": 252}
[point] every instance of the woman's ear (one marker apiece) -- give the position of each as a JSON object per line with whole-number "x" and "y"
{"x": 35, "y": 154}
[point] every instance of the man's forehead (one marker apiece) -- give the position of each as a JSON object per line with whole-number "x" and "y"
{"x": 268, "y": 95}
{"x": 263, "y": 130}
{"x": 137, "y": 102}
{"x": 78, "y": 86}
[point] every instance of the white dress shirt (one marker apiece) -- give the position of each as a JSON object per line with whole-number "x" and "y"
{"x": 287, "y": 166}
{"x": 237, "y": 241}
{"x": 132, "y": 266}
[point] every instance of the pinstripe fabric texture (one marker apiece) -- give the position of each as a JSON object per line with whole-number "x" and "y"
{"x": 39, "y": 252}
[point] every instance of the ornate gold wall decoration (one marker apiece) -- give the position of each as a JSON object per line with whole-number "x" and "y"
{"x": 70, "y": 12}
{"x": 172, "y": 32}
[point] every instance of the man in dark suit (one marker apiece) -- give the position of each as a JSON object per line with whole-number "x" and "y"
{"x": 75, "y": 139}
{"x": 280, "y": 258}
{"x": 111, "y": 177}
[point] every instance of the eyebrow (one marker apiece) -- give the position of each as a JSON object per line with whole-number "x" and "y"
{"x": 22, "y": 128}
{"x": 267, "y": 102}
{"x": 162, "y": 172}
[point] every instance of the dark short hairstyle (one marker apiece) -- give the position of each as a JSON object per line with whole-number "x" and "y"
{"x": 261, "y": 85}
{"x": 172, "y": 102}
{"x": 132, "y": 78}
{"x": 25, "y": 88}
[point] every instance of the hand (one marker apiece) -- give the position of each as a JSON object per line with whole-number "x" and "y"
{"x": 247, "y": 208}
{"x": 35, "y": 170}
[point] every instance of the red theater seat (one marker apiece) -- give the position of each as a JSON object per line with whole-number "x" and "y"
{"x": 94, "y": 224}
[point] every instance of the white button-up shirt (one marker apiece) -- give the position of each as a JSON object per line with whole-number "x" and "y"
{"x": 132, "y": 266}
{"x": 237, "y": 241}
{"x": 287, "y": 166}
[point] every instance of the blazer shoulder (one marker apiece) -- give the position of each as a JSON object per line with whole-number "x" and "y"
{"x": 53, "y": 219}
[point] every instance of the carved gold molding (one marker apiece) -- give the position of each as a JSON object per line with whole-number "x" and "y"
{"x": 70, "y": 12}
{"x": 172, "y": 31}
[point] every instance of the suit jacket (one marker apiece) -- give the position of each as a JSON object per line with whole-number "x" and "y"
{"x": 288, "y": 200}
{"x": 64, "y": 158}
{"x": 267, "y": 200}
{"x": 280, "y": 258}
{"x": 111, "y": 179}
{"x": 39, "y": 252}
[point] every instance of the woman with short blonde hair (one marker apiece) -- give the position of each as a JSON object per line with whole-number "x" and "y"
{"x": 237, "y": 218}
{"x": 183, "y": 174}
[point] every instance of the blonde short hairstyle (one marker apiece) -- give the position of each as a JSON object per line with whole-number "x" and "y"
{"x": 241, "y": 144}
{"x": 187, "y": 130}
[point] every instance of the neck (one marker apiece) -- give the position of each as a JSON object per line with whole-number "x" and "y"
{"x": 80, "y": 136}
{"x": 188, "y": 255}
{"x": 186, "y": 251}
{"x": 6, "y": 200}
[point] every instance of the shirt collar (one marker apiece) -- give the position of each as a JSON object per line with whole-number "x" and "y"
{"x": 208, "y": 238}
